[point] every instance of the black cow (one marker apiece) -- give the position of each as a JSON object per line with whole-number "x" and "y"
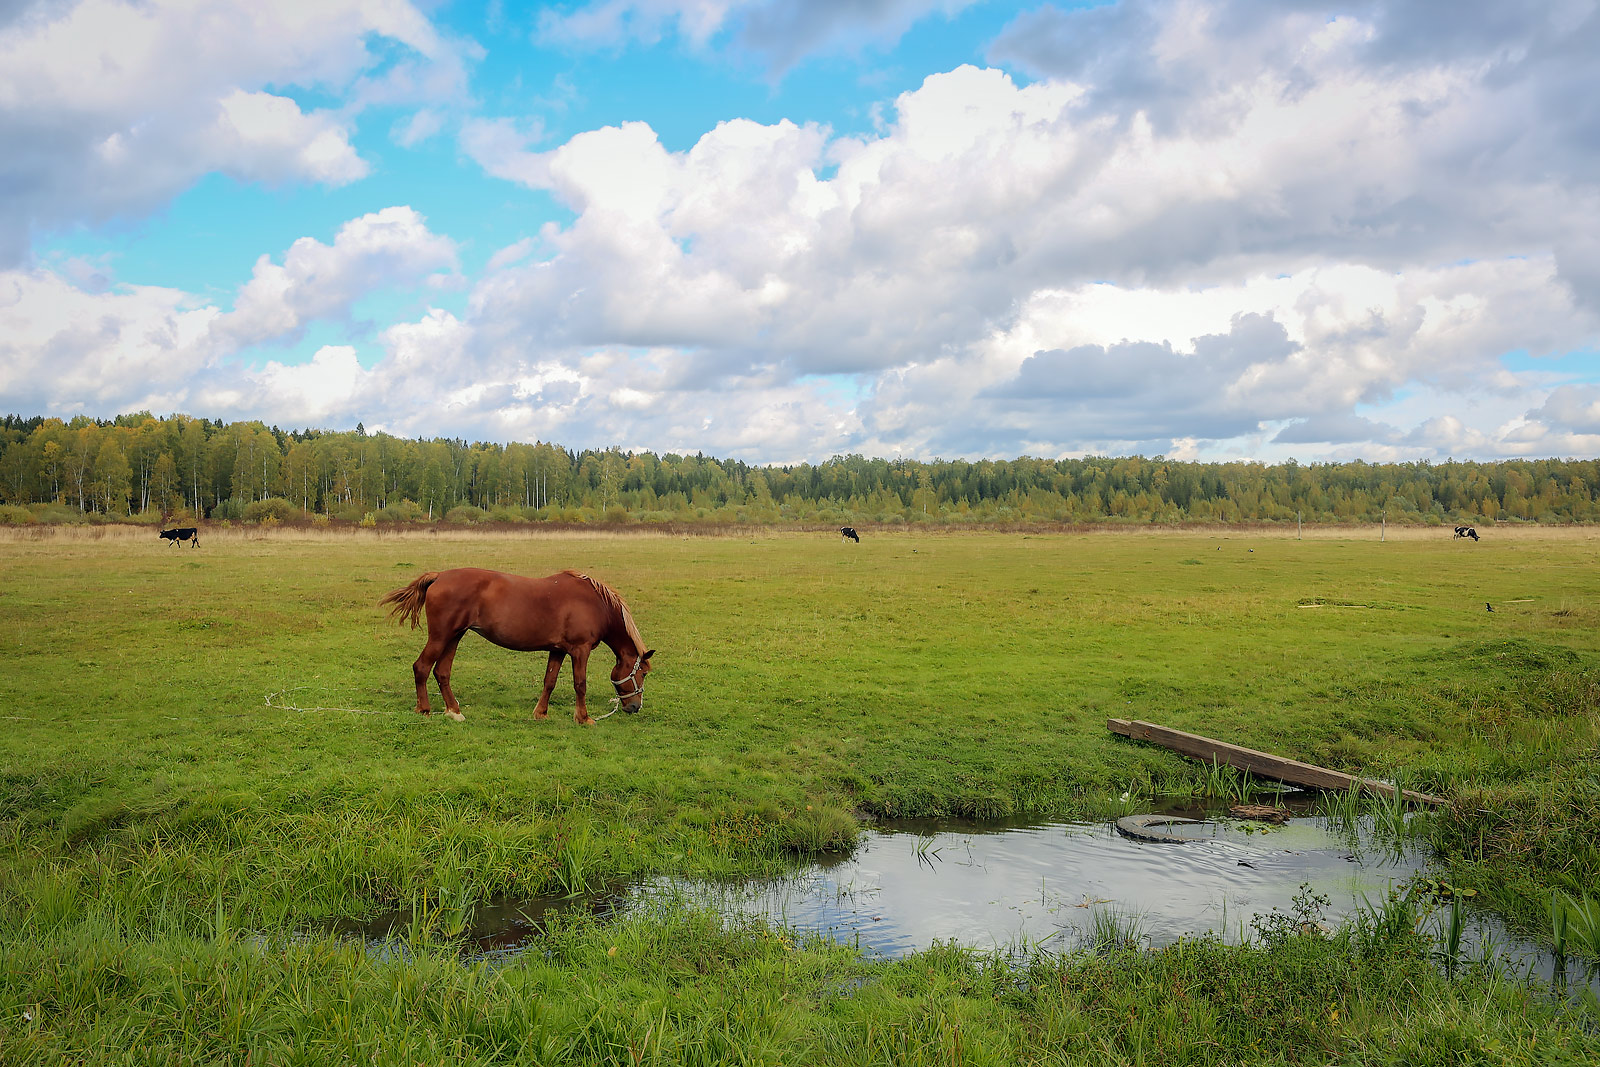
{"x": 848, "y": 533}
{"x": 1466, "y": 531}
{"x": 186, "y": 533}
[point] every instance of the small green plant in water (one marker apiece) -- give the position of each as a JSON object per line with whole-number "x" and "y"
{"x": 1389, "y": 923}
{"x": 1275, "y": 929}
{"x": 1111, "y": 929}
{"x": 1436, "y": 889}
{"x": 1582, "y": 925}
{"x": 1341, "y": 809}
{"x": 575, "y": 864}
{"x": 1452, "y": 924}
{"x": 457, "y": 904}
{"x": 1126, "y": 804}
{"x": 1558, "y": 927}
{"x": 1392, "y": 820}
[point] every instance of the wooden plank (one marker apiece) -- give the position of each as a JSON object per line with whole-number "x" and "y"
{"x": 1263, "y": 764}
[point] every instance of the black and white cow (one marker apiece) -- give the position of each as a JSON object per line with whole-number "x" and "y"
{"x": 848, "y": 533}
{"x": 184, "y": 533}
{"x": 1466, "y": 531}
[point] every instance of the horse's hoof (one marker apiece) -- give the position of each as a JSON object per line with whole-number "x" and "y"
{"x": 424, "y": 712}
{"x": 456, "y": 716}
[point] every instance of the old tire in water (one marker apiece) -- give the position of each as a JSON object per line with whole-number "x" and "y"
{"x": 1142, "y": 828}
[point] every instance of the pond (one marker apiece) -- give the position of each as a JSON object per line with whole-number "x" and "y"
{"x": 1013, "y": 886}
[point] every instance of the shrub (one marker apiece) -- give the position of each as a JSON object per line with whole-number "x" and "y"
{"x": 504, "y": 514}
{"x": 230, "y": 509}
{"x": 275, "y": 508}
{"x": 15, "y": 515}
{"x": 465, "y": 513}
{"x": 55, "y": 514}
{"x": 401, "y": 511}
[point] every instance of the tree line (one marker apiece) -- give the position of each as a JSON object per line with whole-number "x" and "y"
{"x": 144, "y": 467}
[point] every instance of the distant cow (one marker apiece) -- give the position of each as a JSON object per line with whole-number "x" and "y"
{"x": 848, "y": 533}
{"x": 186, "y": 533}
{"x": 1466, "y": 531}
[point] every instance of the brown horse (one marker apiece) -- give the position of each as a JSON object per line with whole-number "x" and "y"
{"x": 565, "y": 614}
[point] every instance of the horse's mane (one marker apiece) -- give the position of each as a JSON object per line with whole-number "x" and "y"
{"x": 618, "y": 605}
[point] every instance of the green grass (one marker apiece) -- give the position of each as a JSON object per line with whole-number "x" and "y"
{"x": 676, "y": 986}
{"x": 213, "y": 740}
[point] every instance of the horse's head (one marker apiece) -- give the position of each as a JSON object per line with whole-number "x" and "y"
{"x": 629, "y": 681}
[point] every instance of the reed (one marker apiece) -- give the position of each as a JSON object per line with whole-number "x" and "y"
{"x": 1392, "y": 818}
{"x": 1342, "y": 809}
{"x": 1450, "y": 926}
{"x": 1582, "y": 925}
{"x": 1558, "y": 913}
{"x": 1233, "y": 785}
{"x": 1112, "y": 929}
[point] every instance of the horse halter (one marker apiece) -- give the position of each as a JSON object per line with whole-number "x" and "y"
{"x": 632, "y": 676}
{"x": 638, "y": 688}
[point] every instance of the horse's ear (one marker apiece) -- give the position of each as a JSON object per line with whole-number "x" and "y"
{"x": 647, "y": 655}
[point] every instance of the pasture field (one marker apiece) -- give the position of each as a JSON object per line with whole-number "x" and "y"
{"x": 208, "y": 750}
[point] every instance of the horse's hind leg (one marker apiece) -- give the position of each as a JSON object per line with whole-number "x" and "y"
{"x": 441, "y": 671}
{"x": 419, "y": 671}
{"x": 432, "y": 657}
{"x": 552, "y": 671}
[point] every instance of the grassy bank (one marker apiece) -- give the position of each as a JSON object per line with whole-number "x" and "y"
{"x": 680, "y": 987}
{"x": 206, "y": 741}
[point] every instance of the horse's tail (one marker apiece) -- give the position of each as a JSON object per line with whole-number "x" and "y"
{"x": 408, "y": 600}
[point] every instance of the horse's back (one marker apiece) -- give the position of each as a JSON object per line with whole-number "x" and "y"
{"x": 481, "y": 582}
{"x": 515, "y": 611}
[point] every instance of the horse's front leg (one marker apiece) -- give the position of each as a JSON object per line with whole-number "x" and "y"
{"x": 552, "y": 670}
{"x": 580, "y": 686}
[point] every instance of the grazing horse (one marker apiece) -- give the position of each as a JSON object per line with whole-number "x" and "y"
{"x": 186, "y": 533}
{"x": 565, "y": 614}
{"x": 848, "y": 533}
{"x": 1466, "y": 531}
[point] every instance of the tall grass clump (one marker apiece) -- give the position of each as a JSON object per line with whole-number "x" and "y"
{"x": 1112, "y": 929}
{"x": 1342, "y": 809}
{"x": 1579, "y": 925}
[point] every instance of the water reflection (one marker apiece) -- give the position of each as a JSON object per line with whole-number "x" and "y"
{"x": 1020, "y": 885}
{"x": 498, "y": 928}
{"x": 1031, "y": 884}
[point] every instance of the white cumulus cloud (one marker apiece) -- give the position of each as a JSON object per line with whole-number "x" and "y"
{"x": 387, "y": 248}
{"x": 110, "y": 107}
{"x": 1184, "y": 181}
{"x": 1204, "y": 228}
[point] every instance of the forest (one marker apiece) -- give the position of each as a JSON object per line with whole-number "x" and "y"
{"x": 144, "y": 468}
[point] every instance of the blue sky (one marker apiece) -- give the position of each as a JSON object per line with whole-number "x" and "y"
{"x": 782, "y": 230}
